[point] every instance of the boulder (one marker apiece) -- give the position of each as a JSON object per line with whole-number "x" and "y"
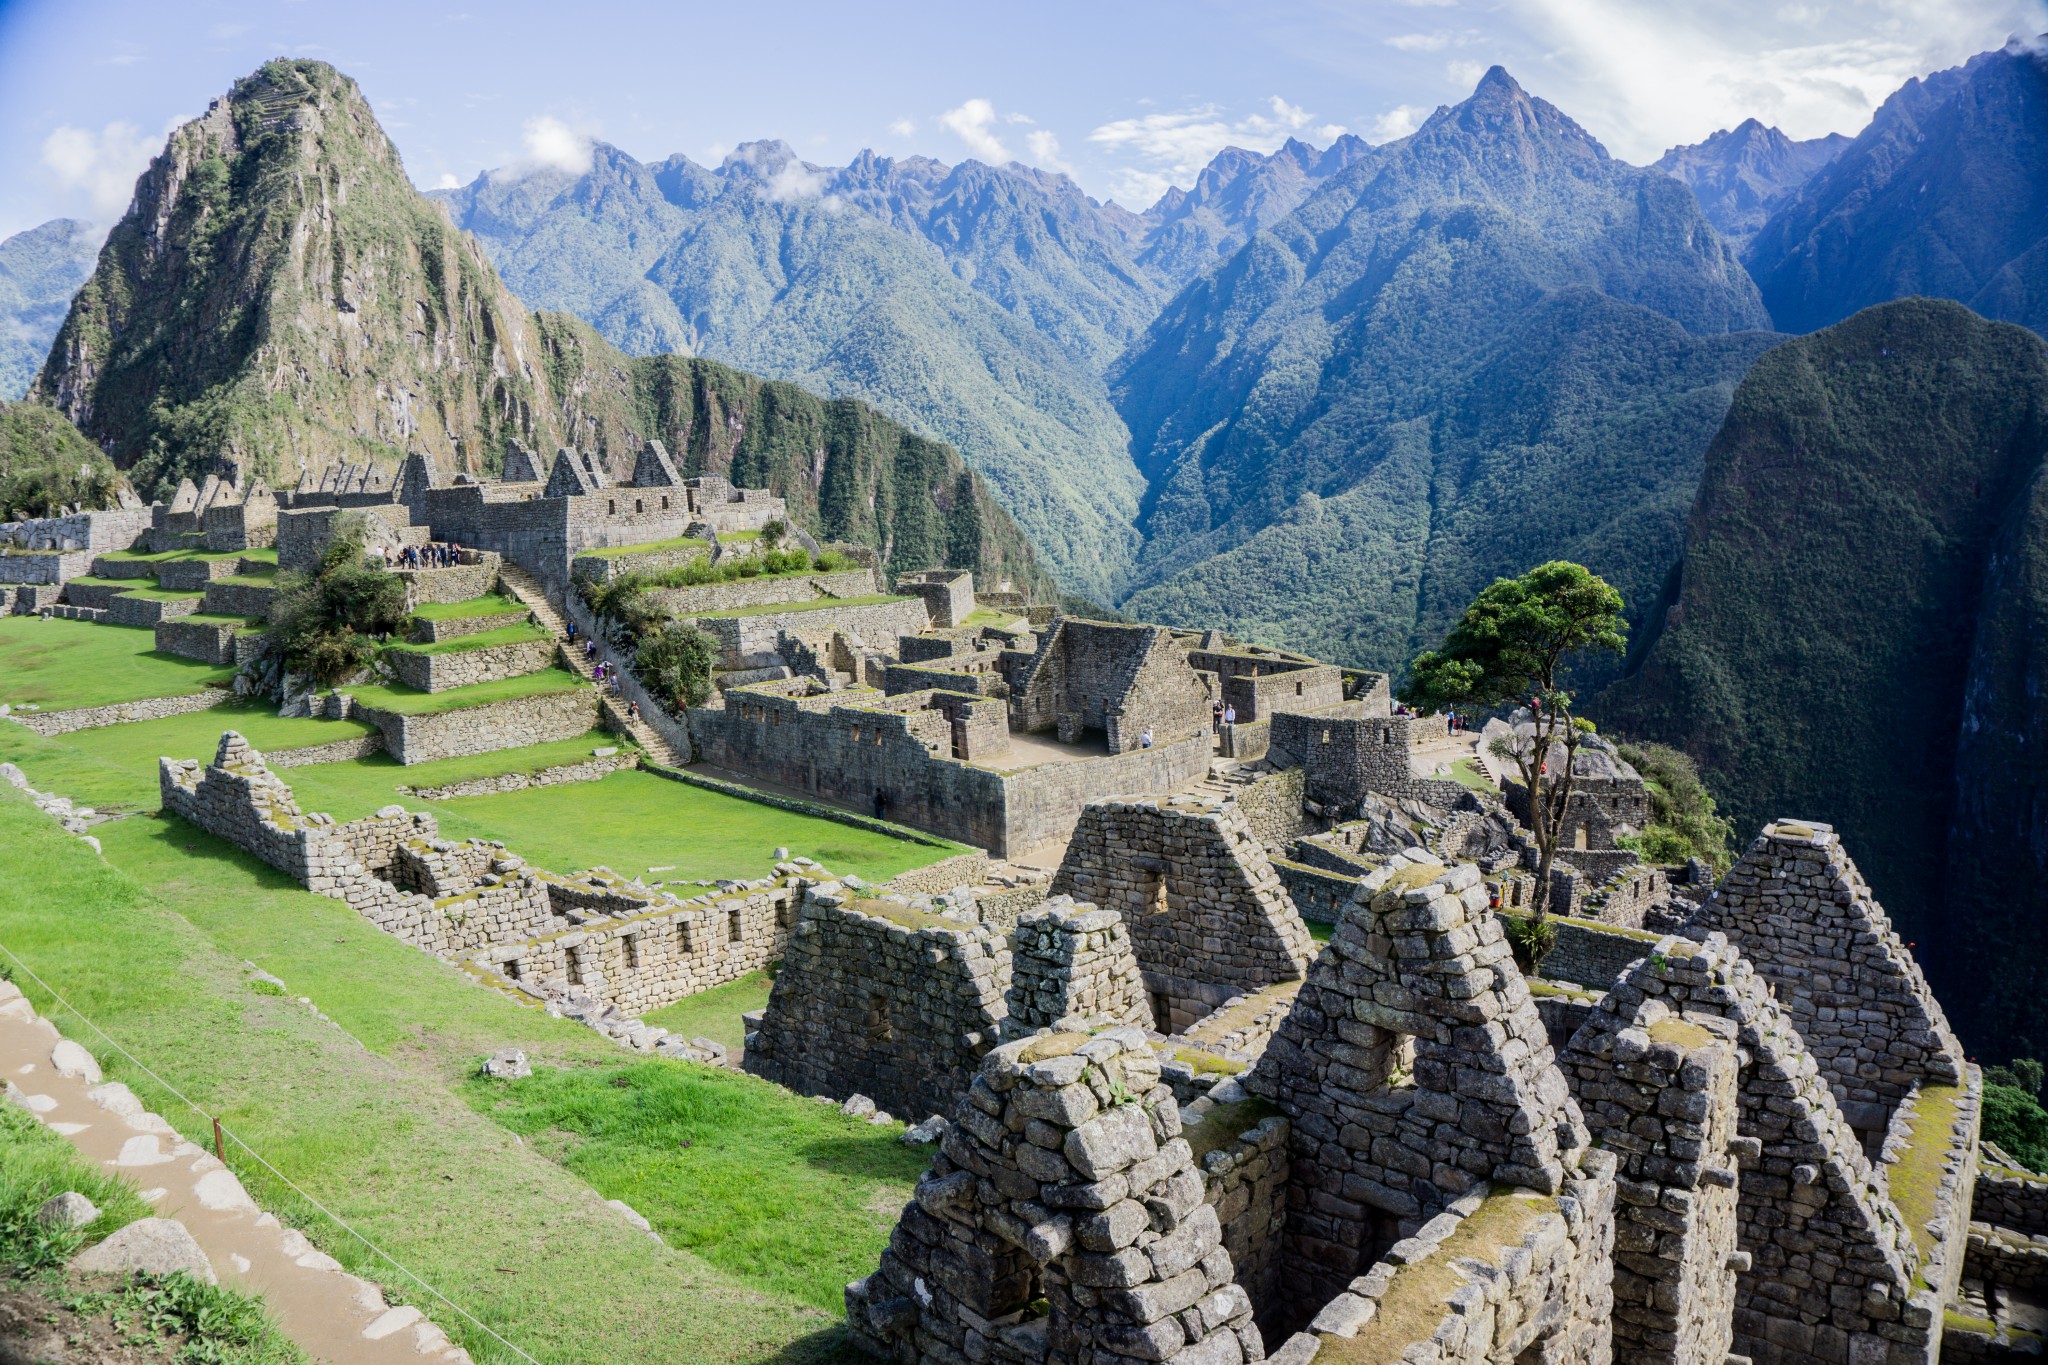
{"x": 68, "y": 1210}
{"x": 161, "y": 1246}
{"x": 74, "y": 1061}
{"x": 857, "y": 1107}
{"x": 507, "y": 1064}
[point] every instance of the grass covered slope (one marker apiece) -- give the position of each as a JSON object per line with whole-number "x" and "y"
{"x": 61, "y": 665}
{"x": 1857, "y": 620}
{"x": 367, "y": 1118}
{"x": 46, "y": 465}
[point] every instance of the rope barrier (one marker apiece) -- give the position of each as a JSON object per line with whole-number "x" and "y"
{"x": 257, "y": 1157}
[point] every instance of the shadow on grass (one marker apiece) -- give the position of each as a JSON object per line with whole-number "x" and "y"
{"x": 868, "y": 1157}
{"x": 175, "y": 836}
{"x": 831, "y": 1346}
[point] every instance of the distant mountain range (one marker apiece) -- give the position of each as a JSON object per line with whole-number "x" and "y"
{"x": 1741, "y": 174}
{"x": 39, "y": 272}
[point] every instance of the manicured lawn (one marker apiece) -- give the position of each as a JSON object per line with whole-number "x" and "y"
{"x": 715, "y": 1014}
{"x": 1466, "y": 773}
{"x": 251, "y": 580}
{"x": 490, "y": 604}
{"x": 818, "y": 604}
{"x": 657, "y": 1137}
{"x": 189, "y": 556}
{"x": 405, "y": 701}
{"x": 650, "y": 547}
{"x": 59, "y": 665}
{"x": 517, "y": 633}
{"x": 215, "y": 618}
{"x": 983, "y": 616}
{"x": 364, "y": 1112}
{"x": 633, "y": 821}
{"x": 162, "y": 594}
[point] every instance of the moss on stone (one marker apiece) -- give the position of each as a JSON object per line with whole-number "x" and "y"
{"x": 1672, "y": 1029}
{"x": 1222, "y": 1125}
{"x": 1052, "y": 1045}
{"x": 1915, "y": 1178}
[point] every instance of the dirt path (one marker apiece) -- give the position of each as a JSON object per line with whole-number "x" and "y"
{"x": 335, "y": 1317}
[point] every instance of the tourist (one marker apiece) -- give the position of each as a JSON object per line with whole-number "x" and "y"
{"x": 1230, "y": 715}
{"x": 633, "y": 712}
{"x": 1145, "y": 739}
{"x": 572, "y": 632}
{"x": 881, "y": 804}
{"x": 590, "y": 649}
{"x": 1216, "y": 716}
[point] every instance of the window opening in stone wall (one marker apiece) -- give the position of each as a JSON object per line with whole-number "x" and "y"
{"x": 878, "y": 1029}
{"x": 1297, "y": 689}
{"x": 611, "y": 505}
{"x": 685, "y": 940}
{"x": 574, "y": 962}
{"x": 632, "y": 952}
{"x": 1326, "y": 736}
{"x": 664, "y": 504}
{"x": 639, "y": 506}
{"x": 733, "y": 931}
{"x": 785, "y": 912}
{"x": 513, "y": 969}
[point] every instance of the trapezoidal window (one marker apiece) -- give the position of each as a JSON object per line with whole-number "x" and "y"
{"x": 611, "y": 505}
{"x": 664, "y": 503}
{"x": 573, "y": 962}
{"x": 632, "y": 952}
{"x": 735, "y": 930}
{"x": 686, "y": 941}
{"x": 877, "y": 1026}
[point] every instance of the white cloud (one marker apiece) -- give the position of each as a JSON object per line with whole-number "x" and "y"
{"x": 1171, "y": 149}
{"x": 447, "y": 181}
{"x": 970, "y": 123}
{"x": 1464, "y": 75}
{"x": 1420, "y": 42}
{"x": 1397, "y": 122}
{"x": 903, "y": 127}
{"x": 793, "y": 180}
{"x": 101, "y": 166}
{"x": 1645, "y": 81}
{"x": 1045, "y": 151}
{"x": 548, "y": 144}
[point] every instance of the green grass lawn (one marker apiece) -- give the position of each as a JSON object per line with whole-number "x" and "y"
{"x": 188, "y": 556}
{"x": 657, "y": 1136}
{"x": 251, "y": 580}
{"x": 518, "y": 633}
{"x": 1467, "y": 773}
{"x": 649, "y": 547}
{"x": 818, "y": 604}
{"x": 60, "y": 665}
{"x": 406, "y": 701}
{"x": 715, "y": 1014}
{"x": 368, "y": 1113}
{"x": 162, "y": 594}
{"x": 216, "y": 618}
{"x": 984, "y": 616}
{"x": 490, "y": 604}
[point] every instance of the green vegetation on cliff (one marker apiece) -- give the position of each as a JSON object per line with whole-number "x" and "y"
{"x": 1857, "y": 634}
{"x": 40, "y": 270}
{"x": 45, "y": 465}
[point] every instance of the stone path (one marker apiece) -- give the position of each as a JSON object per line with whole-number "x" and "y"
{"x": 337, "y": 1318}
{"x": 534, "y": 598}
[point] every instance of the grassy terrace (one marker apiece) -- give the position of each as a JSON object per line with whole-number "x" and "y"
{"x": 60, "y": 665}
{"x": 490, "y": 604}
{"x": 160, "y": 594}
{"x": 375, "y": 1117}
{"x": 268, "y": 556}
{"x": 649, "y": 547}
{"x": 1915, "y": 1178}
{"x": 715, "y": 1014}
{"x": 518, "y": 633}
{"x": 784, "y": 608}
{"x": 407, "y": 702}
{"x": 249, "y": 624}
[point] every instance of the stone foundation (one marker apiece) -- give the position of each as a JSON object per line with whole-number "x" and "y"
{"x": 450, "y": 669}
{"x": 511, "y": 724}
{"x": 120, "y": 712}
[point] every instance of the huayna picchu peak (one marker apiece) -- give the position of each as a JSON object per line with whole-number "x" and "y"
{"x": 1198, "y": 688}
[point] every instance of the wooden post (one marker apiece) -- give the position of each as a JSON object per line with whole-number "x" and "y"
{"x": 219, "y": 1147}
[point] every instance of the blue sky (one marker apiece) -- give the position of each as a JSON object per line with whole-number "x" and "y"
{"x": 1127, "y": 96}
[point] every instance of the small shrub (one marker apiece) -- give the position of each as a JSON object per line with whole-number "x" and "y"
{"x": 2015, "y": 1121}
{"x": 262, "y": 987}
{"x": 1529, "y": 939}
{"x": 675, "y": 664}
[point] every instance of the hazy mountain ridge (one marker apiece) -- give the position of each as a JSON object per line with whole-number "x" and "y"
{"x": 279, "y": 296}
{"x": 1741, "y": 174}
{"x": 1942, "y": 195}
{"x": 40, "y": 270}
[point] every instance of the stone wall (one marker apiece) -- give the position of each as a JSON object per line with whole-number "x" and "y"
{"x": 1592, "y": 954}
{"x": 1063, "y": 1177}
{"x": 128, "y": 609}
{"x": 1798, "y": 908}
{"x": 336, "y": 751}
{"x": 1121, "y": 680}
{"x": 589, "y": 770}
{"x": 1832, "y": 1274}
{"x": 948, "y": 593}
{"x": 444, "y": 670}
{"x": 210, "y": 642}
{"x": 603, "y": 568}
{"x": 429, "y": 630}
{"x": 1318, "y": 895}
{"x": 1658, "y": 1089}
{"x": 877, "y": 999}
{"x": 764, "y": 592}
{"x": 477, "y": 575}
{"x": 962, "y": 869}
{"x": 44, "y": 567}
{"x": 873, "y": 622}
{"x": 238, "y": 599}
{"x": 2009, "y": 1199}
{"x": 1242, "y": 1152}
{"x": 120, "y": 712}
{"x": 1348, "y": 753}
{"x": 1072, "y": 968}
{"x": 511, "y": 724}
{"x": 1272, "y": 806}
{"x": 1207, "y": 914}
{"x": 117, "y": 529}
{"x": 1416, "y": 1071}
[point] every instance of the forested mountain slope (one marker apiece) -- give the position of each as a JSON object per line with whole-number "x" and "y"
{"x": 1860, "y": 631}
{"x": 1742, "y": 173}
{"x": 40, "y": 270}
{"x": 1483, "y": 346}
{"x": 280, "y": 297}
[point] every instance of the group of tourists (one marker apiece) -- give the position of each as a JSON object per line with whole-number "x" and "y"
{"x": 1221, "y": 715}
{"x": 434, "y": 556}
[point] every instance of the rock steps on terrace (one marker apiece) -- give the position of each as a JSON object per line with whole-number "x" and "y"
{"x": 534, "y": 598}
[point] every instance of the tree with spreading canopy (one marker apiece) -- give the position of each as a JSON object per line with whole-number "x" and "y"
{"x": 325, "y": 624}
{"x": 1511, "y": 647}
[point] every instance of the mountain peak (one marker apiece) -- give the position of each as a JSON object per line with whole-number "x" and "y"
{"x": 1498, "y": 85}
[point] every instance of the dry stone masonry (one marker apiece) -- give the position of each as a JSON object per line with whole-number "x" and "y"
{"x": 1072, "y": 967}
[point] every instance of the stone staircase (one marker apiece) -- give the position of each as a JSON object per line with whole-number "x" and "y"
{"x": 534, "y": 597}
